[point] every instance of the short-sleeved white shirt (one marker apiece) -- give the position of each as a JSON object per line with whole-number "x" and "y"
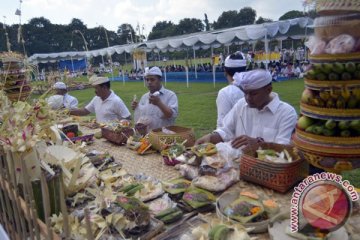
{"x": 226, "y": 99}
{"x": 70, "y": 102}
{"x": 152, "y": 115}
{"x": 112, "y": 108}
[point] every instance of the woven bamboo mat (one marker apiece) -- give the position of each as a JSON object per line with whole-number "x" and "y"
{"x": 152, "y": 165}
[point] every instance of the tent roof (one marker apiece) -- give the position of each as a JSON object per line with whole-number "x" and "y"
{"x": 203, "y": 40}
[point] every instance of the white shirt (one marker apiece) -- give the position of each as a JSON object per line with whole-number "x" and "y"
{"x": 112, "y": 108}
{"x": 274, "y": 123}
{"x": 151, "y": 115}
{"x": 70, "y": 102}
{"x": 226, "y": 99}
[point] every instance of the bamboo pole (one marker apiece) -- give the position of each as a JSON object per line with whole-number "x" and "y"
{"x": 46, "y": 205}
{"x": 6, "y": 172}
{"x": 64, "y": 210}
{"x": 4, "y": 200}
{"x": 27, "y": 200}
{"x": 88, "y": 225}
{"x": 11, "y": 172}
{"x": 32, "y": 200}
{"x": 42, "y": 226}
{"x": 9, "y": 214}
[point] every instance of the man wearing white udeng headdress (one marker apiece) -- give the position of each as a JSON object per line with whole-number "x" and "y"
{"x": 62, "y": 98}
{"x": 229, "y": 95}
{"x": 158, "y": 107}
{"x": 259, "y": 116}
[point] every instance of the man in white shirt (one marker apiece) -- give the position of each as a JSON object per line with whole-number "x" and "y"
{"x": 157, "y": 108}
{"x": 106, "y": 105}
{"x": 259, "y": 116}
{"x": 66, "y": 101}
{"x": 229, "y": 95}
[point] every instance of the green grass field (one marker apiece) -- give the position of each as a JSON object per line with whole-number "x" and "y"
{"x": 197, "y": 108}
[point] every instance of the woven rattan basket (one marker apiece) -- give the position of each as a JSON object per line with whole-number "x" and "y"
{"x": 14, "y": 97}
{"x": 329, "y": 113}
{"x": 330, "y": 157}
{"x": 326, "y": 7}
{"x": 159, "y": 140}
{"x": 121, "y": 137}
{"x": 278, "y": 176}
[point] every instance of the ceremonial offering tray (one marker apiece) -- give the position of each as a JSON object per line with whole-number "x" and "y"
{"x": 258, "y": 221}
{"x": 120, "y": 137}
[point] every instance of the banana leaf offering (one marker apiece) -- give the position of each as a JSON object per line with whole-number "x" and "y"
{"x": 244, "y": 209}
{"x": 136, "y": 212}
{"x": 197, "y": 197}
{"x": 172, "y": 152}
{"x": 176, "y": 186}
{"x": 205, "y": 149}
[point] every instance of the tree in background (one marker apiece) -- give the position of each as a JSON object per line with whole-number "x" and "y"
{"x": 227, "y": 19}
{"x": 126, "y": 34}
{"x": 233, "y": 18}
{"x": 292, "y": 14}
{"x": 77, "y": 24}
{"x": 263, "y": 20}
{"x": 162, "y": 29}
{"x": 246, "y": 16}
{"x": 189, "y": 25}
{"x": 207, "y": 24}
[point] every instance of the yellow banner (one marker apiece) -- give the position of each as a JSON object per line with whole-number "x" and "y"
{"x": 273, "y": 56}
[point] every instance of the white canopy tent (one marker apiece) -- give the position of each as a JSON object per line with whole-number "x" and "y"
{"x": 201, "y": 40}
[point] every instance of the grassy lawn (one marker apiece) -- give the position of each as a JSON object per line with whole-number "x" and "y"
{"x": 197, "y": 108}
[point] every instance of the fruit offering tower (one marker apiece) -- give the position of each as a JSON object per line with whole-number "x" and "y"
{"x": 14, "y": 77}
{"x": 328, "y": 130}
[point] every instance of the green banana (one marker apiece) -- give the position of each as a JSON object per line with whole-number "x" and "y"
{"x": 310, "y": 129}
{"x": 346, "y": 76}
{"x": 345, "y": 133}
{"x": 173, "y": 217}
{"x": 321, "y": 76}
{"x": 333, "y": 76}
{"x": 328, "y": 132}
{"x": 330, "y": 124}
{"x": 221, "y": 233}
{"x": 166, "y": 212}
{"x": 134, "y": 190}
{"x": 211, "y": 234}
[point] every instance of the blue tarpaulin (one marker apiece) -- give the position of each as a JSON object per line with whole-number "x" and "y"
{"x": 73, "y": 65}
{"x": 181, "y": 77}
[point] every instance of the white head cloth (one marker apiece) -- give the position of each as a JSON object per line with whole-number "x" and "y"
{"x": 235, "y": 63}
{"x": 95, "y": 80}
{"x": 59, "y": 85}
{"x": 153, "y": 71}
{"x": 251, "y": 80}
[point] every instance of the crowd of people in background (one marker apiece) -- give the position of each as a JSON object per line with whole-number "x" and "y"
{"x": 279, "y": 69}
{"x": 291, "y": 64}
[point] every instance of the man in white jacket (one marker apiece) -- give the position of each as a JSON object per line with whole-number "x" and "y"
{"x": 62, "y": 98}
{"x": 229, "y": 95}
{"x": 158, "y": 107}
{"x": 259, "y": 116}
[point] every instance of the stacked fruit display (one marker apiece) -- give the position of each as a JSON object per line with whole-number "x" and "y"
{"x": 328, "y": 130}
{"x": 14, "y": 77}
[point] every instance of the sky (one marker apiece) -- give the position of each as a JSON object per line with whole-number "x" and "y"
{"x": 113, "y": 13}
